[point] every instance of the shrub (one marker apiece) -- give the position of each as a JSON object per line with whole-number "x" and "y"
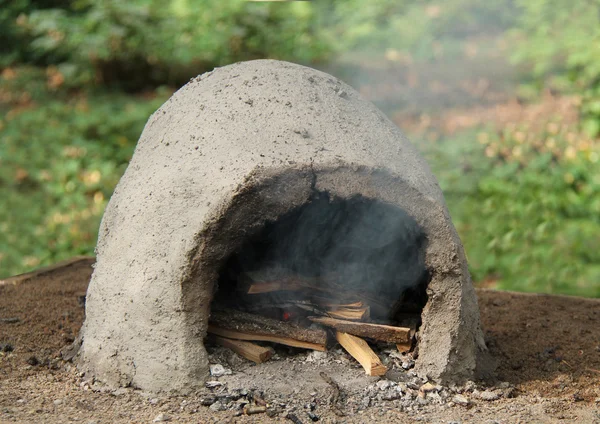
{"x": 560, "y": 41}
{"x": 144, "y": 43}
{"x": 59, "y": 163}
{"x": 527, "y": 207}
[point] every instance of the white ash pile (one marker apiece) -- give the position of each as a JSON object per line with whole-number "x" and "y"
{"x": 319, "y": 386}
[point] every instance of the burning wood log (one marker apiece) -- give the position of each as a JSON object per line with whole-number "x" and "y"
{"x": 360, "y": 350}
{"x": 234, "y": 324}
{"x": 250, "y": 351}
{"x": 384, "y": 333}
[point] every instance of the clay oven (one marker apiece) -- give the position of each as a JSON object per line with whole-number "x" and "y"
{"x": 269, "y": 164}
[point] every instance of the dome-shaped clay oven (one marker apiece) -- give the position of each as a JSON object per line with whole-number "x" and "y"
{"x": 230, "y": 153}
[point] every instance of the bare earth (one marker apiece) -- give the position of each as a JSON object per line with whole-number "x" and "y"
{"x": 547, "y": 347}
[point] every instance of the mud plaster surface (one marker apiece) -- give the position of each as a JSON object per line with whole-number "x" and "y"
{"x": 548, "y": 349}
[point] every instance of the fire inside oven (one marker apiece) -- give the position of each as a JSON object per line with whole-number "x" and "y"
{"x": 339, "y": 263}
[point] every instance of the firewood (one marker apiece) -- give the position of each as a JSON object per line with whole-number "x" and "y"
{"x": 279, "y": 279}
{"x": 404, "y": 347}
{"x": 240, "y": 325}
{"x": 384, "y": 333}
{"x": 239, "y": 335}
{"x": 329, "y": 303}
{"x": 251, "y": 351}
{"x": 352, "y": 314}
{"x": 276, "y": 285}
{"x": 360, "y": 350}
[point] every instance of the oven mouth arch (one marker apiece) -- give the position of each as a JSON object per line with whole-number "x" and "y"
{"x": 342, "y": 250}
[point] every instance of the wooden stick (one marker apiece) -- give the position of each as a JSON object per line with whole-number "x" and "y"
{"x": 251, "y": 327}
{"x": 270, "y": 280}
{"x": 330, "y": 303}
{"x": 288, "y": 284}
{"x": 352, "y": 314}
{"x": 385, "y": 333}
{"x": 404, "y": 347}
{"x": 360, "y": 350}
{"x": 251, "y": 351}
{"x": 233, "y": 334}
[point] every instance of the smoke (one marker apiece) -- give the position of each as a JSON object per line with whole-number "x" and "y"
{"x": 422, "y": 57}
{"x": 365, "y": 245}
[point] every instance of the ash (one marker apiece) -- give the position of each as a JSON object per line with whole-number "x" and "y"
{"x": 304, "y": 386}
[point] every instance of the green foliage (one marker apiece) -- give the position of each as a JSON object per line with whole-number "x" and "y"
{"x": 59, "y": 164}
{"x": 145, "y": 43}
{"x": 560, "y": 41}
{"x": 526, "y": 207}
{"x": 418, "y": 29}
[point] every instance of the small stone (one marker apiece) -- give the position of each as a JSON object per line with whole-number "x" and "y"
{"x": 153, "y": 401}
{"x": 218, "y": 370}
{"x": 234, "y": 360}
{"x": 316, "y": 356}
{"x": 509, "y": 393}
{"x": 313, "y": 417}
{"x": 365, "y": 402}
{"x": 470, "y": 386}
{"x": 408, "y": 364}
{"x": 207, "y": 401}
{"x": 58, "y": 402}
{"x": 120, "y": 391}
{"x": 213, "y": 384}
{"x": 217, "y": 406}
{"x": 383, "y": 384}
{"x": 6, "y": 347}
{"x": 435, "y": 396}
{"x": 427, "y": 387}
{"x": 162, "y": 417}
{"x": 489, "y": 395}
{"x": 392, "y": 394}
{"x": 460, "y": 400}
{"x": 33, "y": 361}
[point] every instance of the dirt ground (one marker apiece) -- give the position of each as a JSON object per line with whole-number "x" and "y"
{"x": 547, "y": 347}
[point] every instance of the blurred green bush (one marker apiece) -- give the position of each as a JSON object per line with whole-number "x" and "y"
{"x": 559, "y": 40}
{"x": 144, "y": 43}
{"x": 61, "y": 155}
{"x": 526, "y": 205}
